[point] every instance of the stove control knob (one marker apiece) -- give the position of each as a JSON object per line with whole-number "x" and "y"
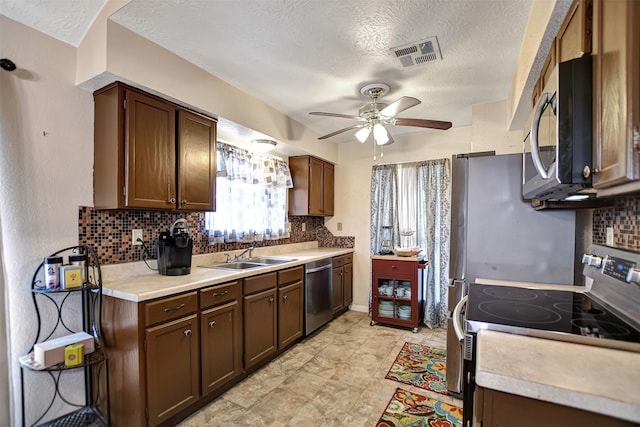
{"x": 592, "y": 260}
{"x": 633, "y": 276}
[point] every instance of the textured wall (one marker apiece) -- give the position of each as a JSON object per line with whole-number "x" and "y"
{"x": 46, "y": 126}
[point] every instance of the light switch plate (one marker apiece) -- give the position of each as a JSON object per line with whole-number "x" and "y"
{"x": 609, "y": 236}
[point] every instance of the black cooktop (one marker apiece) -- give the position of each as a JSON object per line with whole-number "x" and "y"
{"x": 546, "y": 310}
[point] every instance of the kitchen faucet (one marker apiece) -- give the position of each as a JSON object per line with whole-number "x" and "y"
{"x": 240, "y": 256}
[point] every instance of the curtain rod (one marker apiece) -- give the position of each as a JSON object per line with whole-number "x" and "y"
{"x": 408, "y": 163}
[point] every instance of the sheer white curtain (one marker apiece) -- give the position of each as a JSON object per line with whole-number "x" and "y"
{"x": 407, "y": 202}
{"x": 251, "y": 197}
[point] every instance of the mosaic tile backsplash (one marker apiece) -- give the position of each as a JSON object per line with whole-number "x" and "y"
{"x": 624, "y": 218}
{"x": 109, "y": 233}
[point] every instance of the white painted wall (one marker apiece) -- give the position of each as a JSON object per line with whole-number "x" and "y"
{"x": 353, "y": 176}
{"x": 46, "y": 127}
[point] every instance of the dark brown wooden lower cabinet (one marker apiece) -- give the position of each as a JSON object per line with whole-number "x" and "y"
{"x": 289, "y": 314}
{"x": 338, "y": 289}
{"x": 348, "y": 284}
{"x": 172, "y": 354}
{"x": 504, "y": 409}
{"x": 221, "y": 348}
{"x": 260, "y": 327}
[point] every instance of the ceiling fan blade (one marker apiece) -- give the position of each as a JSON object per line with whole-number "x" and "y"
{"x": 421, "y": 123}
{"x": 329, "y": 135}
{"x": 399, "y": 106}
{"x": 344, "y": 116}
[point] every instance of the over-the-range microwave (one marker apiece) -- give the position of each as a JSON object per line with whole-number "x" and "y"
{"x": 557, "y": 148}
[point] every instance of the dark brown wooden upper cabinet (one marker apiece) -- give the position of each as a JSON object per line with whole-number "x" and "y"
{"x": 616, "y": 97}
{"x": 196, "y": 161}
{"x": 312, "y": 192}
{"x": 150, "y": 153}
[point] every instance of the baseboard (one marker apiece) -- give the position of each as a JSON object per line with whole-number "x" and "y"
{"x": 361, "y": 308}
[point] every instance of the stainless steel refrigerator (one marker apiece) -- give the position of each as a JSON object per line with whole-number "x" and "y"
{"x": 495, "y": 234}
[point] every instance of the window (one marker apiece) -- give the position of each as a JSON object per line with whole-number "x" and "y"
{"x": 251, "y": 197}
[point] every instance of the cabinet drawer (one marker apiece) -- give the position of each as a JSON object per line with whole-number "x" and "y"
{"x": 260, "y": 283}
{"x": 170, "y": 308}
{"x": 337, "y": 262}
{"x": 405, "y": 268}
{"x": 219, "y": 294}
{"x": 348, "y": 258}
{"x": 289, "y": 276}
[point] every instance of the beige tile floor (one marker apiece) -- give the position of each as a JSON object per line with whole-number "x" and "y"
{"x": 336, "y": 377}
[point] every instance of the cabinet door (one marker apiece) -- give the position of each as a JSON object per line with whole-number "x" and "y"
{"x": 616, "y": 101}
{"x": 260, "y": 333}
{"x": 289, "y": 314}
{"x": 574, "y": 37}
{"x": 338, "y": 289}
{"x": 172, "y": 367}
{"x": 348, "y": 284}
{"x": 150, "y": 156}
{"x": 327, "y": 189}
{"x": 196, "y": 162}
{"x": 221, "y": 346}
{"x": 316, "y": 196}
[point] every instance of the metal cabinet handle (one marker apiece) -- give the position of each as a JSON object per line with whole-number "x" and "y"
{"x": 212, "y": 323}
{"x": 271, "y": 299}
{"x": 169, "y": 310}
{"x": 188, "y": 333}
{"x": 183, "y": 202}
{"x": 221, "y": 294}
{"x": 284, "y": 298}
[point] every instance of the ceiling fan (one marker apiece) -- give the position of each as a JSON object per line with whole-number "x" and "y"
{"x": 374, "y": 116}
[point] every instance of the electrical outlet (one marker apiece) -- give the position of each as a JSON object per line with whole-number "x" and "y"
{"x": 304, "y": 226}
{"x": 339, "y": 226}
{"x": 609, "y": 236}
{"x": 135, "y": 235}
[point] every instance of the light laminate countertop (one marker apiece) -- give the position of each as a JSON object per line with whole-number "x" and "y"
{"x": 136, "y": 282}
{"x": 586, "y": 377}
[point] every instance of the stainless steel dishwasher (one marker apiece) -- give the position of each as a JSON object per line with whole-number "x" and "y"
{"x": 318, "y": 289}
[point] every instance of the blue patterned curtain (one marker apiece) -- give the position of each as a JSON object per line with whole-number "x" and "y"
{"x": 384, "y": 206}
{"x": 434, "y": 227}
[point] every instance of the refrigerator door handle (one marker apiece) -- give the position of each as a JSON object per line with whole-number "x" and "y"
{"x": 457, "y": 318}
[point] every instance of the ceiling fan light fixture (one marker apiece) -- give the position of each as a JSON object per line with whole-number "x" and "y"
{"x": 363, "y": 134}
{"x": 380, "y": 134}
{"x": 263, "y": 145}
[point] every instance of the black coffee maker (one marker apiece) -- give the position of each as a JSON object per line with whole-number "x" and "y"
{"x": 174, "y": 250}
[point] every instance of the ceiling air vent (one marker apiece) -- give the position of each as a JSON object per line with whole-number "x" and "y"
{"x": 418, "y": 53}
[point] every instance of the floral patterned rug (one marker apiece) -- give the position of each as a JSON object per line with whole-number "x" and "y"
{"x": 421, "y": 366}
{"x": 408, "y": 409}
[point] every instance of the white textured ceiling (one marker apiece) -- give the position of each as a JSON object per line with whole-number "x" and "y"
{"x": 311, "y": 55}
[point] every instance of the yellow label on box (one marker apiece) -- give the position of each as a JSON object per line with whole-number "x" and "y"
{"x": 74, "y": 354}
{"x": 70, "y": 276}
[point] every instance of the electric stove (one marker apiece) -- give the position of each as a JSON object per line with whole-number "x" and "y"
{"x": 606, "y": 314}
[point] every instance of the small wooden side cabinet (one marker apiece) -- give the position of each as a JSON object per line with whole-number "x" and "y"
{"x": 397, "y": 291}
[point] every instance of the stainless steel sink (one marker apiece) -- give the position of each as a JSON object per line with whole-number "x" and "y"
{"x": 249, "y": 263}
{"x": 238, "y": 265}
{"x": 270, "y": 260}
